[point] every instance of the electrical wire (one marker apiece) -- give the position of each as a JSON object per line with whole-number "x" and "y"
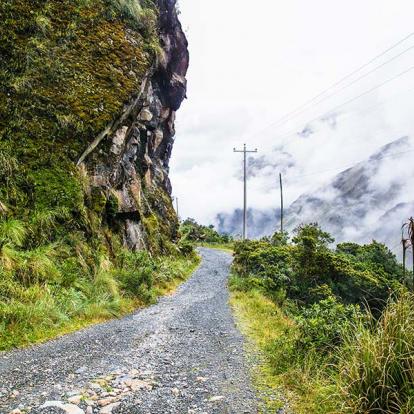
{"x": 325, "y": 114}
{"x": 354, "y": 81}
{"x": 319, "y": 95}
{"x": 347, "y": 167}
{"x": 370, "y": 109}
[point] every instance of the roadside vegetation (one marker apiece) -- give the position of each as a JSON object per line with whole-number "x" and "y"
{"x": 200, "y": 235}
{"x": 49, "y": 287}
{"x": 63, "y": 263}
{"x": 334, "y": 325}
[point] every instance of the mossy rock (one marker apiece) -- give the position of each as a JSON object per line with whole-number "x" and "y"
{"x": 68, "y": 68}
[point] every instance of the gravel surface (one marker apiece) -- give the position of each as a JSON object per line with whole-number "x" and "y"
{"x": 182, "y": 355}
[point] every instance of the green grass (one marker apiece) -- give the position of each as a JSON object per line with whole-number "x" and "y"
{"x": 227, "y": 247}
{"x": 334, "y": 329}
{"x": 41, "y": 311}
{"x": 63, "y": 264}
{"x": 306, "y": 388}
{"x": 376, "y": 369}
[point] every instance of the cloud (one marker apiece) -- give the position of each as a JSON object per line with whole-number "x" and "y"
{"x": 247, "y": 72}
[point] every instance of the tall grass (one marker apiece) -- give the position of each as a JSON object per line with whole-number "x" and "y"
{"x": 51, "y": 290}
{"x": 376, "y": 369}
{"x": 128, "y": 9}
{"x": 139, "y": 14}
{"x": 280, "y": 376}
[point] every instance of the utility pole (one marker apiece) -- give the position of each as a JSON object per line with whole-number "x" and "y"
{"x": 404, "y": 243}
{"x": 281, "y": 203}
{"x": 244, "y": 151}
{"x": 411, "y": 236}
{"x": 407, "y": 242}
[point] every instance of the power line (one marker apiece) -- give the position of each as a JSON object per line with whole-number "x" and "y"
{"x": 294, "y": 132}
{"x": 372, "y": 89}
{"x": 370, "y": 109}
{"x": 347, "y": 166}
{"x": 307, "y": 103}
{"x": 353, "y": 82}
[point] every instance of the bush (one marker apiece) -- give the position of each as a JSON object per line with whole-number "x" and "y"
{"x": 335, "y": 300}
{"x": 136, "y": 274}
{"x": 262, "y": 260}
{"x": 308, "y": 264}
{"x": 322, "y": 325}
{"x": 194, "y": 232}
{"x": 186, "y": 248}
{"x": 140, "y": 15}
{"x": 376, "y": 368}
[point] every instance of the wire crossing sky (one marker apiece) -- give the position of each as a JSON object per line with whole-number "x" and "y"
{"x": 257, "y": 72}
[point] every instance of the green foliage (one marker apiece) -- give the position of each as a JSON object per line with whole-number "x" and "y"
{"x": 308, "y": 263}
{"x": 339, "y": 329}
{"x": 323, "y": 324}
{"x": 135, "y": 274}
{"x": 56, "y": 188}
{"x": 268, "y": 262}
{"x": 54, "y": 102}
{"x": 376, "y": 368}
{"x": 49, "y": 289}
{"x": 194, "y": 232}
{"x": 12, "y": 232}
{"x": 60, "y": 261}
{"x": 141, "y": 15}
{"x": 186, "y": 247}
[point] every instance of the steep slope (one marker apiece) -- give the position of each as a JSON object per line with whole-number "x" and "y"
{"x": 369, "y": 200}
{"x": 89, "y": 90}
{"x": 88, "y": 95}
{"x": 354, "y": 204}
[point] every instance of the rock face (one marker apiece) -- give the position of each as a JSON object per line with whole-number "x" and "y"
{"x": 128, "y": 164}
{"x": 88, "y": 96}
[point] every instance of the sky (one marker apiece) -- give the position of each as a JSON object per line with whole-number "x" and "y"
{"x": 251, "y": 63}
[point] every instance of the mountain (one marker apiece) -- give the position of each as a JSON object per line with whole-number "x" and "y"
{"x": 88, "y": 96}
{"x": 367, "y": 201}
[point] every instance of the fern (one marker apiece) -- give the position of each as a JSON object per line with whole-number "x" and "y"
{"x": 12, "y": 232}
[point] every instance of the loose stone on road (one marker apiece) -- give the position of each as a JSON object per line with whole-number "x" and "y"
{"x": 182, "y": 355}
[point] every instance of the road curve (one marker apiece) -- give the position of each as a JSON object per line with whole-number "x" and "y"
{"x": 182, "y": 355}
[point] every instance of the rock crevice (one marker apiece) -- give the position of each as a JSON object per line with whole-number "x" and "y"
{"x": 129, "y": 161}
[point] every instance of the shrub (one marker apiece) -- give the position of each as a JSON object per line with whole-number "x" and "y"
{"x": 186, "y": 248}
{"x": 136, "y": 274}
{"x": 322, "y": 325}
{"x": 194, "y": 232}
{"x": 376, "y": 368}
{"x": 141, "y": 15}
{"x": 262, "y": 260}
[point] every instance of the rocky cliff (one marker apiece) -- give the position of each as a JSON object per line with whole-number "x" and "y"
{"x": 89, "y": 93}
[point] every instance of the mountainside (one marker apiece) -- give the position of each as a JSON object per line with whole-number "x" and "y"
{"x": 88, "y": 95}
{"x": 89, "y": 91}
{"x": 365, "y": 202}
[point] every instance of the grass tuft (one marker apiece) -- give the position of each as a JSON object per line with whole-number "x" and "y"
{"x": 376, "y": 370}
{"x": 280, "y": 380}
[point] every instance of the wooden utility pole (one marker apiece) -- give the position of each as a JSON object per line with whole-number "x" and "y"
{"x": 411, "y": 236}
{"x": 281, "y": 203}
{"x": 406, "y": 243}
{"x": 244, "y": 151}
{"x": 405, "y": 247}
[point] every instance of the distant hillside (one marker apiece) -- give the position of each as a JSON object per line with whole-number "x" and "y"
{"x": 369, "y": 200}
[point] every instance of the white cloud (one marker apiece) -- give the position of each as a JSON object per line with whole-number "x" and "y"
{"x": 253, "y": 62}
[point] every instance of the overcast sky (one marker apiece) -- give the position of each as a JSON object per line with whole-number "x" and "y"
{"x": 253, "y": 62}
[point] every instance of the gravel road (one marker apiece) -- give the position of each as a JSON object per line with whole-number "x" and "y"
{"x": 183, "y": 355}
